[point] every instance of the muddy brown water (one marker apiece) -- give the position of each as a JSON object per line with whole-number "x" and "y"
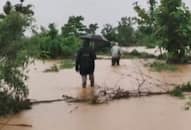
{"x": 147, "y": 113}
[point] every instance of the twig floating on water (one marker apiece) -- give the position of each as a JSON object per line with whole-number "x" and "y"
{"x": 17, "y": 125}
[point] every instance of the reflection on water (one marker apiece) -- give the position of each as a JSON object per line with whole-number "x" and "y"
{"x": 151, "y": 113}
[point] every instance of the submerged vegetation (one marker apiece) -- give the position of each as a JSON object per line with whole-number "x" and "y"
{"x": 162, "y": 66}
{"x": 179, "y": 90}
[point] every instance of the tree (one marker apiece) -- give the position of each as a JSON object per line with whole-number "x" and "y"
{"x": 74, "y": 26}
{"x": 109, "y": 32}
{"x": 7, "y": 7}
{"x": 53, "y": 32}
{"x": 49, "y": 43}
{"x": 13, "y": 58}
{"x": 174, "y": 29}
{"x": 92, "y": 28}
{"x": 125, "y": 31}
{"x": 146, "y": 20}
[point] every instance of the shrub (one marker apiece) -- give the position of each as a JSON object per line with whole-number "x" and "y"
{"x": 160, "y": 66}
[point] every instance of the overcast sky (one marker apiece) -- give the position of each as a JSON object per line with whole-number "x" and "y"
{"x": 100, "y": 11}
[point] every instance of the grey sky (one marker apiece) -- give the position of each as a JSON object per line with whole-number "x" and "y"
{"x": 100, "y": 11}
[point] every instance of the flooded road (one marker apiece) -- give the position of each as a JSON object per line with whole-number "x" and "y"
{"x": 146, "y": 113}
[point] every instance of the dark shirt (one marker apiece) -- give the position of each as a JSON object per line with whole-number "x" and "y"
{"x": 85, "y": 60}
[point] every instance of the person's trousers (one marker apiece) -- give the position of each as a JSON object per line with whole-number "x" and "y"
{"x": 84, "y": 80}
{"x": 115, "y": 61}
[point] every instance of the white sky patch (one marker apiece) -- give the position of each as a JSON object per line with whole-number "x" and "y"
{"x": 94, "y": 11}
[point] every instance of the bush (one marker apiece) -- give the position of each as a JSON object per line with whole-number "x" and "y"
{"x": 69, "y": 46}
{"x": 11, "y": 105}
{"x": 13, "y": 58}
{"x": 179, "y": 90}
{"x": 57, "y": 47}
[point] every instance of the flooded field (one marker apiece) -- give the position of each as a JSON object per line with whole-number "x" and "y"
{"x": 146, "y": 113}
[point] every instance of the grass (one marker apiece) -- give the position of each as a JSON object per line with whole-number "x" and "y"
{"x": 179, "y": 90}
{"x": 162, "y": 66}
{"x": 67, "y": 64}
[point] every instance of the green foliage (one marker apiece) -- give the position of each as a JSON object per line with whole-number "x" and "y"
{"x": 67, "y": 64}
{"x": 10, "y": 105}
{"x": 13, "y": 57}
{"x": 74, "y": 26}
{"x": 109, "y": 32}
{"x": 123, "y": 33}
{"x": 179, "y": 90}
{"x": 50, "y": 44}
{"x": 146, "y": 20}
{"x": 53, "y": 32}
{"x": 147, "y": 40}
{"x": 186, "y": 87}
{"x": 162, "y": 66}
{"x": 174, "y": 20}
{"x": 70, "y": 46}
{"x": 92, "y": 29}
{"x": 166, "y": 25}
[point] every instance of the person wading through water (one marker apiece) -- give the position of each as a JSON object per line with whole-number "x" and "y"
{"x": 85, "y": 63}
{"x": 116, "y": 54}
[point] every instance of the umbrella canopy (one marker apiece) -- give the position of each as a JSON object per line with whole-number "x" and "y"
{"x": 94, "y": 37}
{"x": 96, "y": 41}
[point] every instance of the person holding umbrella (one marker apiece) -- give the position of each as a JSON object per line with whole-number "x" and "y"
{"x": 85, "y": 62}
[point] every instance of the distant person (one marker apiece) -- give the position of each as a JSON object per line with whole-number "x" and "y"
{"x": 116, "y": 54}
{"x": 85, "y": 63}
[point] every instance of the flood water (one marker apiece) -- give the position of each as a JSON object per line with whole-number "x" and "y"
{"x": 146, "y": 113}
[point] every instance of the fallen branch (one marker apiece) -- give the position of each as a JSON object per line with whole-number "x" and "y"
{"x": 46, "y": 101}
{"x": 17, "y": 125}
{"x": 105, "y": 95}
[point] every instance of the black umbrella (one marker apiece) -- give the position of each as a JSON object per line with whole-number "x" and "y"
{"x": 94, "y": 37}
{"x": 97, "y": 41}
